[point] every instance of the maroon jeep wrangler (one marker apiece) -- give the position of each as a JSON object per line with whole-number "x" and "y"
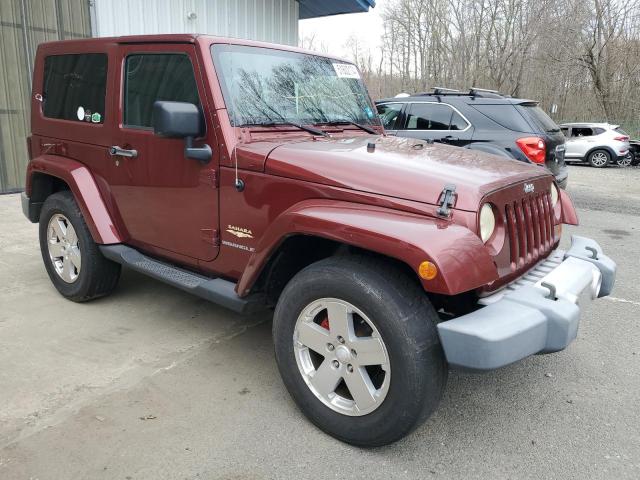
{"x": 259, "y": 176}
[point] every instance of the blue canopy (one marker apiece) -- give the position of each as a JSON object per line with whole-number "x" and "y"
{"x": 324, "y": 8}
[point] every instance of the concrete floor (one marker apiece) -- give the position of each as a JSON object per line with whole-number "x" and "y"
{"x": 151, "y": 383}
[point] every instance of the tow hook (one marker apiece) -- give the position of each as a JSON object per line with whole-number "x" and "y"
{"x": 594, "y": 252}
{"x": 552, "y": 290}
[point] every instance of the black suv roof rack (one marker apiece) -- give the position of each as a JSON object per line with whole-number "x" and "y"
{"x": 472, "y": 92}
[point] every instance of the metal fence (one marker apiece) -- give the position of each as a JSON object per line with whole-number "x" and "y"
{"x": 23, "y": 25}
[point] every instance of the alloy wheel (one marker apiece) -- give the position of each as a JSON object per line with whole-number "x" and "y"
{"x": 341, "y": 357}
{"x": 599, "y": 159}
{"x": 624, "y": 161}
{"x": 64, "y": 251}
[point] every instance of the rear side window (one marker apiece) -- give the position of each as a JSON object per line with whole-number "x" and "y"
{"x": 433, "y": 116}
{"x": 153, "y": 77}
{"x": 598, "y": 130}
{"x": 505, "y": 115}
{"x": 74, "y": 87}
{"x": 457, "y": 122}
{"x": 389, "y": 113}
{"x": 538, "y": 117}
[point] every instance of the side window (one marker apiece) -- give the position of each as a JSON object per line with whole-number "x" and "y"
{"x": 429, "y": 116}
{"x": 74, "y": 87}
{"x": 389, "y": 113}
{"x": 153, "y": 77}
{"x": 581, "y": 132}
{"x": 598, "y": 130}
{"x": 565, "y": 131}
{"x": 457, "y": 122}
{"x": 505, "y": 115}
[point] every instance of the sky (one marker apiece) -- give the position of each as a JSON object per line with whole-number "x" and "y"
{"x": 334, "y": 31}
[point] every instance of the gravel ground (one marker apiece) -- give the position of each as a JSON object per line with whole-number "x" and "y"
{"x": 151, "y": 383}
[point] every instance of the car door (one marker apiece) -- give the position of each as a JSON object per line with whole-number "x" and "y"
{"x": 436, "y": 121}
{"x": 168, "y": 203}
{"x": 579, "y": 142}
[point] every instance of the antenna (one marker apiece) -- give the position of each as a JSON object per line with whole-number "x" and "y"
{"x": 239, "y": 184}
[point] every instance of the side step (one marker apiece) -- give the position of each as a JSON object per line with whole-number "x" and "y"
{"x": 216, "y": 290}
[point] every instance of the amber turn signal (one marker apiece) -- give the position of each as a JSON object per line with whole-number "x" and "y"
{"x": 427, "y": 270}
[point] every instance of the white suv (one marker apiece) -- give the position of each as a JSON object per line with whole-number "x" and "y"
{"x": 596, "y": 143}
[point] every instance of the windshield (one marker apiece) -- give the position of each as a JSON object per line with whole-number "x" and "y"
{"x": 266, "y": 86}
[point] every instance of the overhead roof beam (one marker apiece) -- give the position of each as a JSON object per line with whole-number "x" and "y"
{"x": 325, "y": 8}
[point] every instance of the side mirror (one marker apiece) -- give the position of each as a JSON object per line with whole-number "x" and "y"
{"x": 181, "y": 120}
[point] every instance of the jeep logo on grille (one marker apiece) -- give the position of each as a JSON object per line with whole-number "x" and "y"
{"x": 529, "y": 187}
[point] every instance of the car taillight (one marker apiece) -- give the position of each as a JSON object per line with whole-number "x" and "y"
{"x": 534, "y": 148}
{"x": 621, "y": 138}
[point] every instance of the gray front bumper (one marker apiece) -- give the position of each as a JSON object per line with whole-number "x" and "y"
{"x": 539, "y": 312}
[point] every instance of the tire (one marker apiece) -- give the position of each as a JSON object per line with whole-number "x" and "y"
{"x": 389, "y": 306}
{"x": 625, "y": 161}
{"x": 599, "y": 158}
{"x": 72, "y": 259}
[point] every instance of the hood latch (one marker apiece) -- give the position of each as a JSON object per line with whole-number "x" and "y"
{"x": 447, "y": 200}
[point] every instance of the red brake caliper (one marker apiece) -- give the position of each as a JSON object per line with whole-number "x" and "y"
{"x": 325, "y": 322}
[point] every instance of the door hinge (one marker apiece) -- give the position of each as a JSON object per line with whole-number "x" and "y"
{"x": 447, "y": 200}
{"x": 211, "y": 236}
{"x": 209, "y": 178}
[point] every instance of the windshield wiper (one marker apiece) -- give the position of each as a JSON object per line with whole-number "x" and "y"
{"x": 306, "y": 128}
{"x": 349, "y": 122}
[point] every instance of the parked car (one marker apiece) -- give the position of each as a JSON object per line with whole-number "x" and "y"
{"x": 258, "y": 176}
{"x": 598, "y": 144}
{"x": 481, "y": 120}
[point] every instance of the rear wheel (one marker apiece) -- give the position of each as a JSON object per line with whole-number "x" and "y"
{"x": 599, "y": 158}
{"x": 71, "y": 257}
{"x": 357, "y": 347}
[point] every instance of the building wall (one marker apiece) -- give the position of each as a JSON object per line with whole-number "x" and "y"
{"x": 273, "y": 21}
{"x": 23, "y": 25}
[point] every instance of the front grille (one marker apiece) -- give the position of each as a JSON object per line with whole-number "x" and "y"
{"x": 529, "y": 228}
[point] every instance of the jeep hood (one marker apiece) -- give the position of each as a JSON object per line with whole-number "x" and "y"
{"x": 398, "y": 167}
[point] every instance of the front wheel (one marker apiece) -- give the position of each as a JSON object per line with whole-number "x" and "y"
{"x": 599, "y": 158}
{"x": 357, "y": 347}
{"x": 73, "y": 261}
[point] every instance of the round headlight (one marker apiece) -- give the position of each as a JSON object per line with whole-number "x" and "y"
{"x": 554, "y": 194}
{"x": 487, "y": 222}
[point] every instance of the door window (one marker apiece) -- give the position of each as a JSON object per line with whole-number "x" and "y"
{"x": 389, "y": 113}
{"x": 581, "y": 132}
{"x": 74, "y": 87}
{"x": 434, "y": 116}
{"x": 156, "y": 77}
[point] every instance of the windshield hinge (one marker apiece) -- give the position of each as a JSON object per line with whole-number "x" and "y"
{"x": 447, "y": 200}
